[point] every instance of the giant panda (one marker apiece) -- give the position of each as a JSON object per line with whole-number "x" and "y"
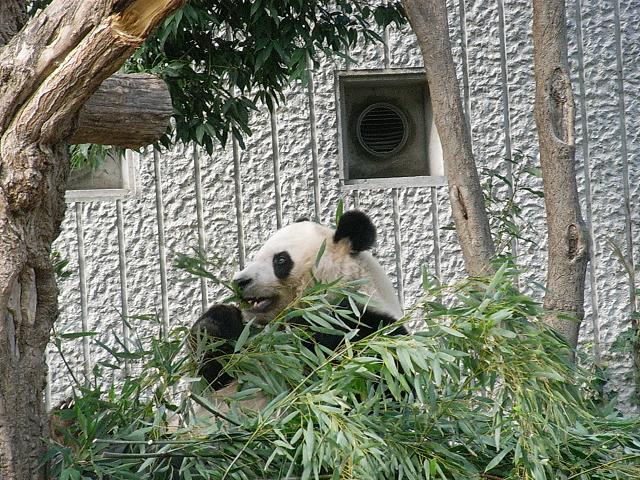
{"x": 276, "y": 276}
{"x": 280, "y": 271}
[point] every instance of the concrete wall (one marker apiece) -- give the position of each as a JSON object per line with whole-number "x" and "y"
{"x": 122, "y": 252}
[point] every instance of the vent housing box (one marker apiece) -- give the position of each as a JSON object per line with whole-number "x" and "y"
{"x": 387, "y": 137}
{"x": 114, "y": 178}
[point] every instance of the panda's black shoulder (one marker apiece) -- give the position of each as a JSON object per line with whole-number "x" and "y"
{"x": 372, "y": 320}
{"x": 369, "y": 322}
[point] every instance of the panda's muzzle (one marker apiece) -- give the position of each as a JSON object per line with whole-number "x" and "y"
{"x": 255, "y": 301}
{"x": 242, "y": 282}
{"x": 259, "y": 304}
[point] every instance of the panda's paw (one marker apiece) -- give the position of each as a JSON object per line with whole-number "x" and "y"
{"x": 219, "y": 321}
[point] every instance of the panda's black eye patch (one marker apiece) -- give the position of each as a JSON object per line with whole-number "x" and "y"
{"x": 282, "y": 265}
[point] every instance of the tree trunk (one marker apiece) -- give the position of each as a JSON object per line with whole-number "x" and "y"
{"x": 554, "y": 114}
{"x": 47, "y": 72}
{"x": 12, "y": 17}
{"x": 127, "y": 110}
{"x": 429, "y": 21}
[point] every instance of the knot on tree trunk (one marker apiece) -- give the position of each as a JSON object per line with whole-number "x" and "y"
{"x": 577, "y": 243}
{"x": 558, "y": 86}
{"x": 560, "y": 105}
{"x": 23, "y": 178}
{"x": 460, "y": 199}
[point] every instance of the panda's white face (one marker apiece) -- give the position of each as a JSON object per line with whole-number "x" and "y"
{"x": 281, "y": 269}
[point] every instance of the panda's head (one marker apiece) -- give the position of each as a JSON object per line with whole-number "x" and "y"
{"x": 282, "y": 268}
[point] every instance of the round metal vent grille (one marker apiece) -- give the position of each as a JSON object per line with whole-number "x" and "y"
{"x": 382, "y": 129}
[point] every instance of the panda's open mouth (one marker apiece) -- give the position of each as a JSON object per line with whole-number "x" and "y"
{"x": 259, "y": 304}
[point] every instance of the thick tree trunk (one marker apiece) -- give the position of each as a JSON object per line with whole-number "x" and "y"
{"x": 28, "y": 307}
{"x": 429, "y": 21}
{"x": 47, "y": 72}
{"x": 554, "y": 113}
{"x": 127, "y": 110}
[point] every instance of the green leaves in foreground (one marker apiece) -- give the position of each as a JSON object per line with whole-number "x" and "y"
{"x": 483, "y": 390}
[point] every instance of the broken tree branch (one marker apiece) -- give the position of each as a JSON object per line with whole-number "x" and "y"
{"x": 127, "y": 110}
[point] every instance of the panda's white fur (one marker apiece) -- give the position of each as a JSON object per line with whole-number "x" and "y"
{"x": 303, "y": 242}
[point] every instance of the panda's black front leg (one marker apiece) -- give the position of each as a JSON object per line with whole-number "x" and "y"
{"x": 367, "y": 324}
{"x": 219, "y": 322}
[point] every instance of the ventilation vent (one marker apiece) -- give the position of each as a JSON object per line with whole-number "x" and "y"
{"x": 387, "y": 137}
{"x": 382, "y": 129}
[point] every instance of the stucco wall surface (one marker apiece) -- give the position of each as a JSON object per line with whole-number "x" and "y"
{"x": 500, "y": 115}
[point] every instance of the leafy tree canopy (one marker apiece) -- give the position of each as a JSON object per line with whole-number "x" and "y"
{"x": 223, "y": 58}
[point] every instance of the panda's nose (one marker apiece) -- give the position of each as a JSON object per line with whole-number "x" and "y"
{"x": 242, "y": 282}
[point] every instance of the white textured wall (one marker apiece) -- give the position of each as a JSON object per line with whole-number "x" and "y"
{"x": 499, "y": 113}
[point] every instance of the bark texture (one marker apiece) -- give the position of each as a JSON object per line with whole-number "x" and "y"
{"x": 429, "y": 21}
{"x": 12, "y": 18}
{"x": 127, "y": 110}
{"x": 47, "y": 72}
{"x": 554, "y": 114}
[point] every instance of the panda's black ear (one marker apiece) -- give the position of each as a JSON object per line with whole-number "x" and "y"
{"x": 357, "y": 227}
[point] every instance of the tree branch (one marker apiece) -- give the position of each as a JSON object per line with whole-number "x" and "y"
{"x": 47, "y": 72}
{"x": 69, "y": 72}
{"x": 36, "y": 51}
{"x": 129, "y": 110}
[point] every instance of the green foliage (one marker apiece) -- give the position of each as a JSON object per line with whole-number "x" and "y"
{"x": 35, "y": 5}
{"x": 221, "y": 59}
{"x": 339, "y": 210}
{"x": 628, "y": 341}
{"x": 502, "y": 196}
{"x": 60, "y": 265}
{"x": 198, "y": 265}
{"x": 483, "y": 390}
{"x": 90, "y": 156}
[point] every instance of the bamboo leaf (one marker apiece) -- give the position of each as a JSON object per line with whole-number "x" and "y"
{"x": 242, "y": 339}
{"x": 497, "y": 459}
